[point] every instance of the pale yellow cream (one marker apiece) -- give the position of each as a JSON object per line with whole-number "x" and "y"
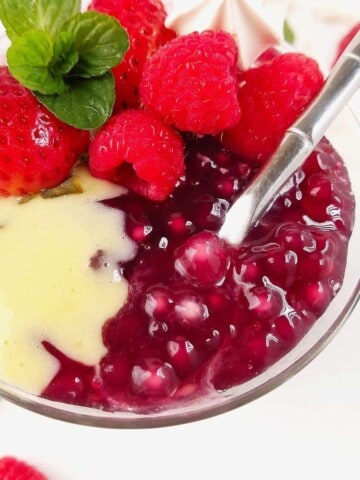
{"x": 48, "y": 291}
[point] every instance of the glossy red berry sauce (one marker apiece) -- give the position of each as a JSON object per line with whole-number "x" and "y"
{"x": 200, "y": 315}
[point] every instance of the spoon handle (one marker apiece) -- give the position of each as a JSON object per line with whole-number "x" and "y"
{"x": 297, "y": 144}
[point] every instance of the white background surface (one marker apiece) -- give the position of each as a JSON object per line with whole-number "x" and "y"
{"x": 309, "y": 428}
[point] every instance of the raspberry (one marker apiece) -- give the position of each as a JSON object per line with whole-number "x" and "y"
{"x": 191, "y": 83}
{"x": 137, "y": 150}
{"x": 37, "y": 150}
{"x": 346, "y": 40}
{"x": 144, "y": 22}
{"x": 271, "y": 97}
{"x": 13, "y": 469}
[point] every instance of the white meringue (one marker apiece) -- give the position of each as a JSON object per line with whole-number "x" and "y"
{"x": 255, "y": 24}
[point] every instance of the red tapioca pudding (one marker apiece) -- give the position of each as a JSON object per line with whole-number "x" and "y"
{"x": 201, "y": 315}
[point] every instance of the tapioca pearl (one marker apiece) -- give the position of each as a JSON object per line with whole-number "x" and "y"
{"x": 190, "y": 310}
{"x": 209, "y": 212}
{"x": 183, "y": 356}
{"x": 316, "y": 294}
{"x": 226, "y": 186}
{"x": 289, "y": 327}
{"x": 248, "y": 271}
{"x": 299, "y": 313}
{"x": 158, "y": 302}
{"x": 179, "y": 226}
{"x": 284, "y": 328}
{"x": 319, "y": 187}
{"x": 281, "y": 267}
{"x": 312, "y": 164}
{"x": 115, "y": 369}
{"x": 152, "y": 377}
{"x": 320, "y": 201}
{"x": 314, "y": 266}
{"x": 324, "y": 242}
{"x": 222, "y": 158}
{"x": 296, "y": 237}
{"x": 263, "y": 302}
{"x": 256, "y": 347}
{"x": 263, "y": 348}
{"x": 213, "y": 341}
{"x": 202, "y": 259}
{"x": 231, "y": 367}
{"x": 138, "y": 228}
{"x": 217, "y": 300}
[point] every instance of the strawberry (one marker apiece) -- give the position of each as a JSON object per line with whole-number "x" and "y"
{"x": 144, "y": 22}
{"x": 139, "y": 151}
{"x": 37, "y": 151}
{"x": 13, "y": 469}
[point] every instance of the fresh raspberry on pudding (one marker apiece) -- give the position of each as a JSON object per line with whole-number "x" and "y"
{"x": 137, "y": 150}
{"x": 271, "y": 98}
{"x": 191, "y": 83}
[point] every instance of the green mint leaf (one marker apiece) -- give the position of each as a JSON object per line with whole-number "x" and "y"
{"x": 29, "y": 58}
{"x": 17, "y": 16}
{"x": 22, "y": 16}
{"x": 65, "y": 56}
{"x": 289, "y": 34}
{"x": 100, "y": 41}
{"x": 51, "y": 14}
{"x": 88, "y": 103}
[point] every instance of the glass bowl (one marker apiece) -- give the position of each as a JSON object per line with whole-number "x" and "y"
{"x": 344, "y": 135}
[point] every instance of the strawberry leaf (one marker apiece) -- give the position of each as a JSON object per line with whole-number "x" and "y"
{"x": 87, "y": 104}
{"x": 100, "y": 41}
{"x": 29, "y": 57}
{"x": 22, "y": 16}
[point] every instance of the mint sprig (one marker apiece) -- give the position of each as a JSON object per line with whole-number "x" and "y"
{"x": 83, "y": 105}
{"x": 289, "y": 34}
{"x": 65, "y": 57}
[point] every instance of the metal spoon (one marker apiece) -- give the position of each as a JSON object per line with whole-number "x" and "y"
{"x": 297, "y": 144}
